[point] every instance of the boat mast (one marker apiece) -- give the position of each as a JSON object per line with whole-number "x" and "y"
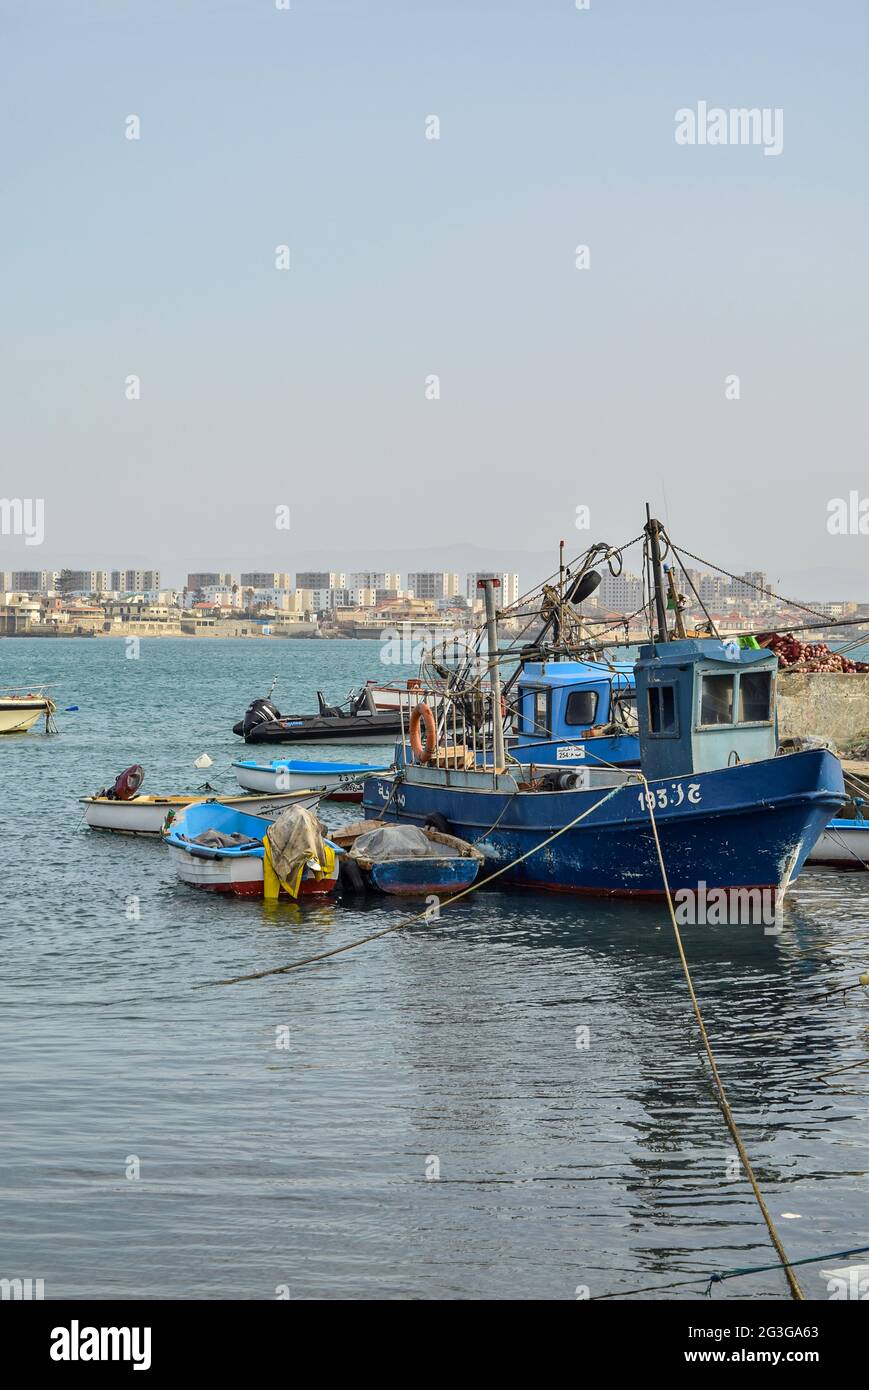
{"x": 653, "y": 531}
{"x": 488, "y": 586}
{"x": 560, "y": 594}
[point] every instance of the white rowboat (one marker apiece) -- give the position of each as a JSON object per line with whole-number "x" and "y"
{"x": 18, "y": 713}
{"x": 843, "y": 845}
{"x": 146, "y": 815}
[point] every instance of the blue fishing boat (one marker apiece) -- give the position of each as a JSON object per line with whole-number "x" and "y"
{"x": 728, "y": 812}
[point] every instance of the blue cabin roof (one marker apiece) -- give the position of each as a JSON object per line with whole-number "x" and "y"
{"x": 566, "y": 672}
{"x": 560, "y": 700}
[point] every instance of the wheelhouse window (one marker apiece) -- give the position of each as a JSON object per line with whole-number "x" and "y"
{"x": 716, "y": 699}
{"x": 755, "y": 697}
{"x": 625, "y": 709}
{"x": 541, "y": 714}
{"x": 662, "y": 709}
{"x": 535, "y": 714}
{"x": 581, "y": 707}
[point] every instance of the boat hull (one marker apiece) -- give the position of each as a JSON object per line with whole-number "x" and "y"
{"x": 421, "y": 877}
{"x": 843, "y": 845}
{"x": 360, "y": 728}
{"x": 337, "y": 781}
{"x": 751, "y": 825}
{"x": 147, "y": 815}
{"x": 17, "y": 716}
{"x": 241, "y": 876}
{"x": 238, "y": 868}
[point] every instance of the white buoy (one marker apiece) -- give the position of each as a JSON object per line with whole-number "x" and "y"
{"x": 203, "y": 761}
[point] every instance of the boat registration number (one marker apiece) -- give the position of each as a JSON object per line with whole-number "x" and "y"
{"x": 569, "y": 753}
{"x": 384, "y": 791}
{"x": 661, "y": 797}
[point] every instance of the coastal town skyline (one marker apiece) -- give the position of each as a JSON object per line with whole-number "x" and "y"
{"x": 823, "y": 584}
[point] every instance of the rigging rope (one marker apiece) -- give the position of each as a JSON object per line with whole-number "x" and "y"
{"x": 793, "y": 1282}
{"x": 740, "y": 579}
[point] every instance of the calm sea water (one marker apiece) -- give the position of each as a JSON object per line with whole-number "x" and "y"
{"x": 304, "y": 1169}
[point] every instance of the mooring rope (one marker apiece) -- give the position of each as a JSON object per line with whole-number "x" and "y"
{"x": 793, "y": 1282}
{"x": 719, "y": 1276}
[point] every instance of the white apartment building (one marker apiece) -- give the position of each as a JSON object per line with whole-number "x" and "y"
{"x": 87, "y": 581}
{"x": 374, "y": 579}
{"x": 621, "y": 592}
{"x": 265, "y": 579}
{"x": 135, "y": 581}
{"x": 30, "y": 581}
{"x": 753, "y": 584}
{"x": 320, "y": 579}
{"x": 326, "y": 599}
{"x": 434, "y": 585}
{"x": 210, "y": 579}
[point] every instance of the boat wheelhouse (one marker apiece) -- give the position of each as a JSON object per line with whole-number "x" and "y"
{"x": 575, "y": 712}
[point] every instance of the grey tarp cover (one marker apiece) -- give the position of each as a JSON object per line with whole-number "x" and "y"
{"x": 397, "y": 842}
{"x": 295, "y": 836}
{"x": 217, "y": 839}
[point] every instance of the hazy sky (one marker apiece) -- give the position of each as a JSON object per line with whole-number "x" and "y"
{"x": 410, "y": 257}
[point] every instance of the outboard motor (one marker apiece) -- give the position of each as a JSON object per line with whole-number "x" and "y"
{"x": 258, "y": 712}
{"x": 126, "y": 786}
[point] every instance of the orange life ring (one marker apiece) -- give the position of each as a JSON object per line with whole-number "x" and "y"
{"x": 421, "y": 714}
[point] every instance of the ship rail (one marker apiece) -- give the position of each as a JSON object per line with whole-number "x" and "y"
{"x": 464, "y": 723}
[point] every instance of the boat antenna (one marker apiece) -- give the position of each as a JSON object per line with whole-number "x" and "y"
{"x": 653, "y": 530}
{"x": 271, "y": 687}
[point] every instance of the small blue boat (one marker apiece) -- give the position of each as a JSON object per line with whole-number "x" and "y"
{"x": 407, "y": 860}
{"x": 337, "y": 781}
{"x": 215, "y": 847}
